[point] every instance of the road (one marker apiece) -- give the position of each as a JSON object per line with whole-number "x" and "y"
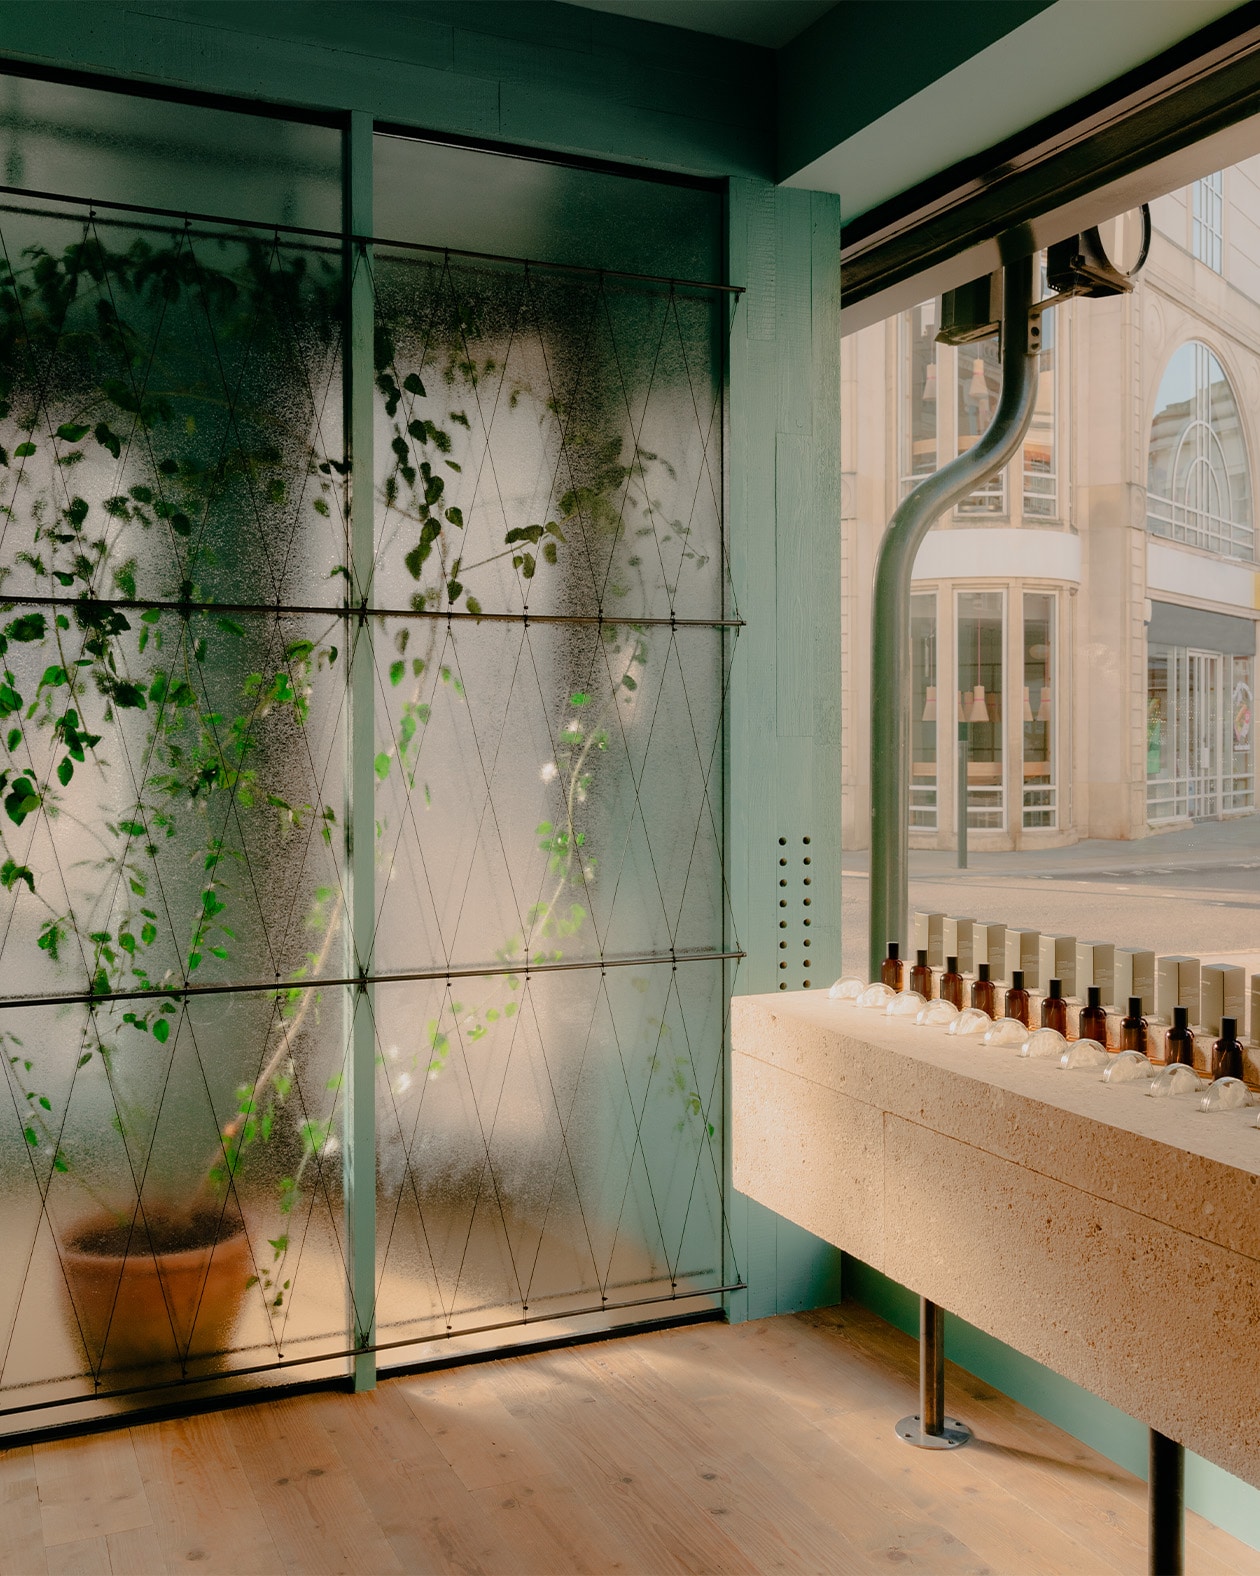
{"x": 1195, "y": 892}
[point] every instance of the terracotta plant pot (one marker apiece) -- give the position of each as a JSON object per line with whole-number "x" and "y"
{"x": 158, "y": 1293}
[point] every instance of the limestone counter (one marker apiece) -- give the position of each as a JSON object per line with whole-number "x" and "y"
{"x": 1113, "y": 1237}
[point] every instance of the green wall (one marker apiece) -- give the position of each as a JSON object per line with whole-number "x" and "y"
{"x": 784, "y": 738}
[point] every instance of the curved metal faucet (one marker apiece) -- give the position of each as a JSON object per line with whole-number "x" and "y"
{"x": 891, "y": 699}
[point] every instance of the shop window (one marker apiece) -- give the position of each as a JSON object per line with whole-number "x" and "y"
{"x": 1039, "y": 787}
{"x": 980, "y": 680}
{"x": 1198, "y": 478}
{"x": 1199, "y": 740}
{"x": 1241, "y": 788}
{"x": 919, "y": 361}
{"x": 1208, "y": 205}
{"x": 978, "y": 382}
{"x": 1040, "y": 472}
{"x": 924, "y": 716}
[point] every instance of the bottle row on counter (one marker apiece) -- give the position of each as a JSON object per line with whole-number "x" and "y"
{"x": 1086, "y": 1044}
{"x": 1221, "y": 1056}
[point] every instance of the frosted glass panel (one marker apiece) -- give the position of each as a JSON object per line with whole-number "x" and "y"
{"x": 546, "y": 441}
{"x": 594, "y": 1174}
{"x": 542, "y": 210}
{"x": 113, "y": 147}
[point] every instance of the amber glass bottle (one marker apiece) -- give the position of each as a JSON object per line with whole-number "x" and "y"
{"x": 1133, "y": 1028}
{"x": 892, "y": 970}
{"x": 921, "y": 975}
{"x": 1227, "y": 1053}
{"x": 1179, "y": 1042}
{"x": 984, "y": 991}
{"x": 952, "y": 987}
{"x": 1054, "y": 1009}
{"x": 1017, "y": 998}
{"x": 1093, "y": 1025}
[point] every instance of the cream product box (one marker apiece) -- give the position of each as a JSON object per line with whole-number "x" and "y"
{"x": 969, "y": 945}
{"x": 1177, "y": 985}
{"x": 920, "y": 926}
{"x": 995, "y": 952}
{"x": 1254, "y": 1023}
{"x": 1141, "y": 971}
{"x": 1057, "y": 961}
{"x": 1023, "y": 951}
{"x": 1084, "y": 968}
{"x": 942, "y": 939}
{"x": 1222, "y": 994}
{"x": 1113, "y": 974}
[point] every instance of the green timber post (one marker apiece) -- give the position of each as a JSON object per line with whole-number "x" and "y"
{"x": 783, "y": 732}
{"x": 360, "y": 1085}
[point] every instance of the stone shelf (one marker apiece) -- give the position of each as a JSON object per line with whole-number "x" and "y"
{"x": 1113, "y": 1237}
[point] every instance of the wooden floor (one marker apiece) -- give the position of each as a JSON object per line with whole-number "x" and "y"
{"x": 763, "y": 1447}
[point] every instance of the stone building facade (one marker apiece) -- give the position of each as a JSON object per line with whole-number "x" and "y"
{"x": 1090, "y": 615}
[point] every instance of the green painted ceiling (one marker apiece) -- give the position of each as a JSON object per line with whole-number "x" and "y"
{"x": 771, "y": 23}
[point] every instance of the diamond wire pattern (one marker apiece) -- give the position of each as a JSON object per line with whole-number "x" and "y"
{"x": 555, "y": 1139}
{"x": 575, "y": 1146}
{"x": 220, "y": 388}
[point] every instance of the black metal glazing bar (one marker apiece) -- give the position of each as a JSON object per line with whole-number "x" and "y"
{"x": 317, "y": 610}
{"x": 401, "y": 977}
{"x": 187, "y": 216}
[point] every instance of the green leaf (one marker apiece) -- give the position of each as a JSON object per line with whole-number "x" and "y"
{"x": 472, "y": 604}
{"x": 31, "y": 626}
{"x": 413, "y": 385}
{"x": 71, "y": 432}
{"x": 381, "y": 765}
{"x": 24, "y": 450}
{"x": 396, "y": 672}
{"x": 11, "y": 873}
{"x": 162, "y": 1030}
{"x": 456, "y": 516}
{"x": 578, "y": 698}
{"x": 65, "y": 771}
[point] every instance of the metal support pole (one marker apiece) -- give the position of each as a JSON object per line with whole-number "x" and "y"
{"x": 359, "y": 1111}
{"x": 929, "y": 1428}
{"x": 1166, "y": 1536}
{"x": 964, "y": 790}
{"x": 890, "y": 646}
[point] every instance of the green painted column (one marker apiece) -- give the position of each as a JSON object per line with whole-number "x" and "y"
{"x": 783, "y": 766}
{"x": 360, "y": 1084}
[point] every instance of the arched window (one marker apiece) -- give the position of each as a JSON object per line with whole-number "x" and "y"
{"x": 1198, "y": 482}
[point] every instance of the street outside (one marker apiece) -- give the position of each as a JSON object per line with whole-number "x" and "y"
{"x": 1195, "y": 892}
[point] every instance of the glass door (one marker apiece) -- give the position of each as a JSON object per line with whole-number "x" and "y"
{"x": 1204, "y": 716}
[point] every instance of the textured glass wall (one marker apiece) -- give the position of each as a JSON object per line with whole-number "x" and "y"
{"x": 549, "y": 509}
{"x": 548, "y": 626}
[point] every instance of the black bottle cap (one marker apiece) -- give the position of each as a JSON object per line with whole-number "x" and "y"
{"x": 1095, "y": 996}
{"x": 1056, "y": 990}
{"x": 894, "y": 951}
{"x": 1229, "y": 1028}
{"x": 951, "y": 965}
{"x": 1135, "y": 1006}
{"x": 1181, "y": 1017}
{"x": 983, "y": 971}
{"x": 921, "y": 958}
{"x": 1017, "y": 979}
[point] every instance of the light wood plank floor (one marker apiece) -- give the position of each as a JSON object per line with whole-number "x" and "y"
{"x": 763, "y": 1447}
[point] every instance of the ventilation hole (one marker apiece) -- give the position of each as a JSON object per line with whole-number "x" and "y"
{"x": 782, "y": 984}
{"x": 807, "y": 902}
{"x": 805, "y": 922}
{"x": 805, "y": 840}
{"x": 783, "y": 861}
{"x": 806, "y": 860}
{"x": 783, "y": 924}
{"x": 783, "y": 965}
{"x": 805, "y": 984}
{"x": 783, "y": 902}
{"x": 807, "y": 941}
{"x": 783, "y": 842}
{"x": 808, "y": 882}
{"x": 783, "y": 944}
{"x": 782, "y": 883}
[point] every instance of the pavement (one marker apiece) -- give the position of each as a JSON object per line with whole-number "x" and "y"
{"x": 1195, "y": 891}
